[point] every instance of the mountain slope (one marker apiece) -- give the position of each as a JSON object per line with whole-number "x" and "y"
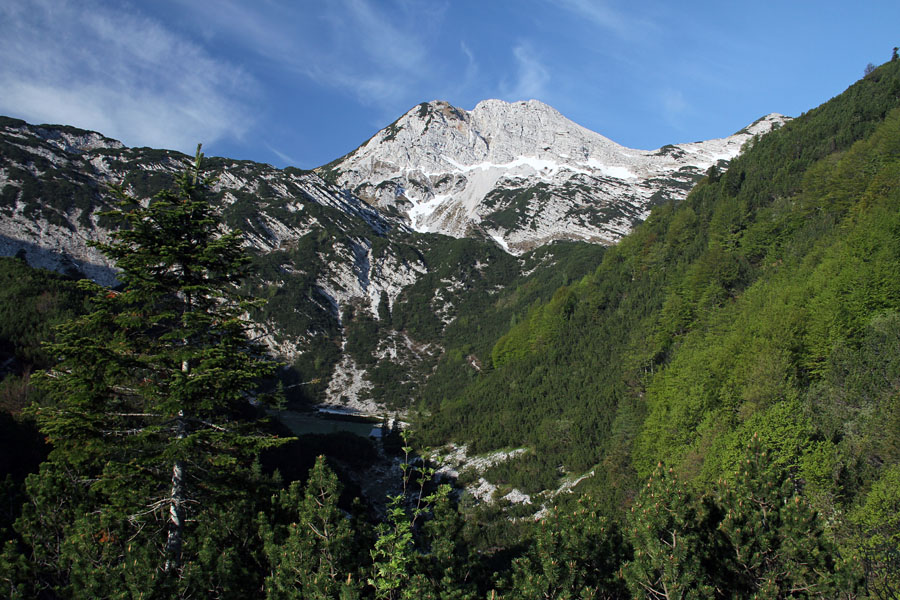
{"x": 357, "y": 304}
{"x": 55, "y": 183}
{"x": 755, "y": 305}
{"x": 363, "y": 308}
{"x": 521, "y": 173}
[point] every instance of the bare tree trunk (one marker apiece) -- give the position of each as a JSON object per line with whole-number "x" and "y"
{"x": 175, "y": 539}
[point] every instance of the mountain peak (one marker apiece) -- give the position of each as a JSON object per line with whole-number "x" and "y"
{"x": 494, "y": 103}
{"x": 765, "y": 124}
{"x": 521, "y": 173}
{"x": 485, "y": 106}
{"x": 434, "y": 108}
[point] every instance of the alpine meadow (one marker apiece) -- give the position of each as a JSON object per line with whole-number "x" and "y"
{"x": 488, "y": 354}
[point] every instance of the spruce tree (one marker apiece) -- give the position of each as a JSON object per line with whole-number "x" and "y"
{"x": 150, "y": 415}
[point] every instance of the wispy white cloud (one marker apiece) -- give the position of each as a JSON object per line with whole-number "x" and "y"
{"x": 598, "y": 11}
{"x": 109, "y": 69}
{"x": 377, "y": 52}
{"x": 285, "y": 158}
{"x": 470, "y": 56}
{"x": 674, "y": 106}
{"x": 384, "y": 38}
{"x": 628, "y": 25}
{"x": 465, "y": 76}
{"x": 532, "y": 76}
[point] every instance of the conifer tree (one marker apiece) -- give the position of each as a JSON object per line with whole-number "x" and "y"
{"x": 776, "y": 543}
{"x": 441, "y": 570}
{"x": 577, "y": 554}
{"x": 313, "y": 555}
{"x": 674, "y": 540}
{"x": 154, "y": 435}
{"x": 384, "y": 311}
{"x": 877, "y": 523}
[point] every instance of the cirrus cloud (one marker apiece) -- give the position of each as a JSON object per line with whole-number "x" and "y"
{"x": 532, "y": 76}
{"x": 127, "y": 76}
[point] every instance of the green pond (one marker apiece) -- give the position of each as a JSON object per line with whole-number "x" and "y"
{"x": 302, "y": 423}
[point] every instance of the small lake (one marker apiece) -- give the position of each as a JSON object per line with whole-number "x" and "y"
{"x": 303, "y": 423}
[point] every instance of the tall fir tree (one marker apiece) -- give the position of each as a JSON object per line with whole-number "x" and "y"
{"x": 149, "y": 486}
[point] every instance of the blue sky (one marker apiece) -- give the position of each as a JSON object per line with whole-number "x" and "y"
{"x": 303, "y": 82}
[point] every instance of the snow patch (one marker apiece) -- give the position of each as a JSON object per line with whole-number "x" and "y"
{"x": 419, "y": 213}
{"x": 611, "y": 171}
{"x": 500, "y": 241}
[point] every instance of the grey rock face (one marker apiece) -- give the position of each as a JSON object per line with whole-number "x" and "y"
{"x": 55, "y": 183}
{"x": 518, "y": 174}
{"x": 521, "y": 173}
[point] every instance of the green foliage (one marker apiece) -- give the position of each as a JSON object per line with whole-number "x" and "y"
{"x": 547, "y": 388}
{"x": 309, "y": 545}
{"x": 491, "y": 300}
{"x": 791, "y": 334}
{"x": 675, "y": 547}
{"x": 384, "y": 310}
{"x": 776, "y": 543}
{"x": 755, "y": 537}
{"x": 577, "y": 554}
{"x": 444, "y": 568}
{"x": 877, "y": 523}
{"x": 528, "y": 471}
{"x": 22, "y": 449}
{"x": 539, "y": 327}
{"x": 417, "y": 553}
{"x": 513, "y": 204}
{"x": 32, "y": 303}
{"x": 153, "y": 437}
{"x": 392, "y": 555}
{"x": 363, "y": 334}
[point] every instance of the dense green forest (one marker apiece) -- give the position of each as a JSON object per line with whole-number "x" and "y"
{"x": 750, "y": 296}
{"x": 729, "y": 374}
{"x": 765, "y": 303}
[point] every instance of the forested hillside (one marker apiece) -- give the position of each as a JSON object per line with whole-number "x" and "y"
{"x": 728, "y": 376}
{"x": 695, "y": 306}
{"x": 766, "y": 303}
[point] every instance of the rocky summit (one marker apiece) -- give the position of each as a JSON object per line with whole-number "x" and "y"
{"x": 521, "y": 173}
{"x": 357, "y": 279}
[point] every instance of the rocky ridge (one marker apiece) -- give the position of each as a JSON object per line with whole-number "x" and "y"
{"x": 521, "y": 173}
{"x": 334, "y": 260}
{"x": 54, "y": 188}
